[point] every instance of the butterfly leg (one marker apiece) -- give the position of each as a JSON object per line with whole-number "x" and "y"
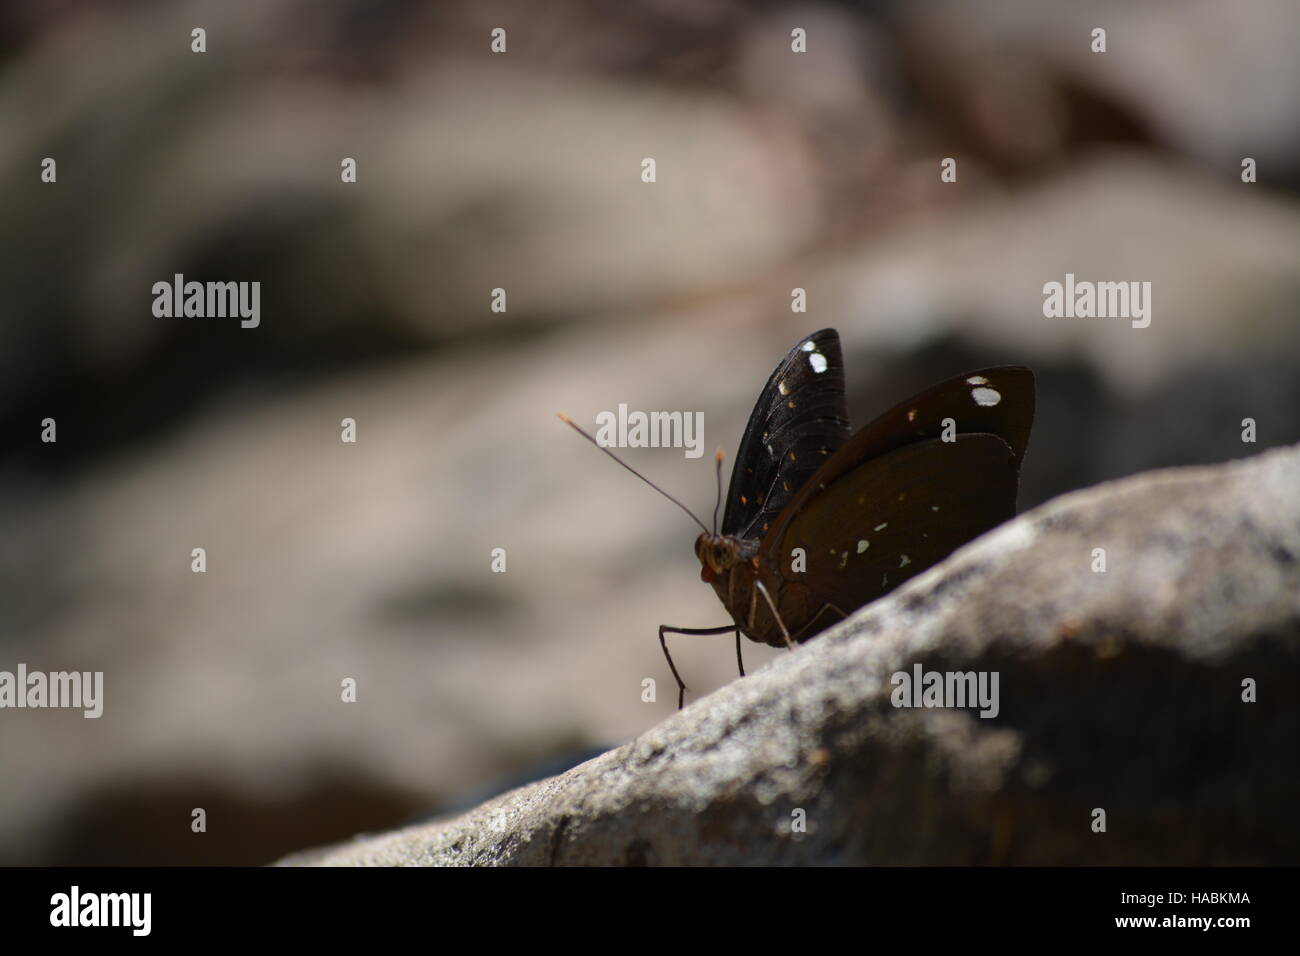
{"x": 780, "y": 623}
{"x": 665, "y": 629}
{"x": 815, "y": 627}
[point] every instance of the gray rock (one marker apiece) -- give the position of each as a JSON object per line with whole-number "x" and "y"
{"x": 1119, "y": 690}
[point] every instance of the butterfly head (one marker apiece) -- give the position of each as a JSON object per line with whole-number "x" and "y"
{"x": 718, "y": 553}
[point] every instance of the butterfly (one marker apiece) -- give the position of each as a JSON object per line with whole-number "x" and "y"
{"x": 821, "y": 520}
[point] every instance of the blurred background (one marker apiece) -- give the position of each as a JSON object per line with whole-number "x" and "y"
{"x": 522, "y": 170}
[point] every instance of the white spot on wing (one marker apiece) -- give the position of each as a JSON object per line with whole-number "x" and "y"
{"x": 818, "y": 362}
{"x": 863, "y": 545}
{"x": 905, "y": 561}
{"x": 977, "y": 380}
{"x": 808, "y": 346}
{"x": 780, "y": 387}
{"x": 987, "y": 397}
{"x": 882, "y": 526}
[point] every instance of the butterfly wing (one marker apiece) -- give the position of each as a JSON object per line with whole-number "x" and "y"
{"x": 996, "y": 401}
{"x": 889, "y": 519}
{"x": 800, "y": 421}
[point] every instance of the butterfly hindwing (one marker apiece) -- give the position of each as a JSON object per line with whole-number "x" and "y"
{"x": 889, "y": 519}
{"x": 997, "y": 401}
{"x": 799, "y": 421}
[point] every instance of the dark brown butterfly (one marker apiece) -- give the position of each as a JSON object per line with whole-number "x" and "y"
{"x": 820, "y": 521}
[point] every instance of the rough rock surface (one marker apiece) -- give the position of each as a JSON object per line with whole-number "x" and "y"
{"x": 1119, "y": 690}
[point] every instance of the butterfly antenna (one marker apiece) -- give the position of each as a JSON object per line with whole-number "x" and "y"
{"x": 569, "y": 421}
{"x": 718, "y": 503}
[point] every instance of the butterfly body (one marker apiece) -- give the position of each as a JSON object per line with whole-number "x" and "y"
{"x": 821, "y": 520}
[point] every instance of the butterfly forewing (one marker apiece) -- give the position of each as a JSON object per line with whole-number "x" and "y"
{"x": 798, "y": 423}
{"x": 890, "y": 519}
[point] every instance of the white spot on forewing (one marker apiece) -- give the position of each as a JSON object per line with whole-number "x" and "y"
{"x": 863, "y": 545}
{"x": 934, "y": 507}
{"x": 977, "y": 380}
{"x": 844, "y": 559}
{"x": 808, "y": 346}
{"x": 882, "y": 526}
{"x": 905, "y": 561}
{"x": 818, "y": 362}
{"x": 780, "y": 387}
{"x": 986, "y": 396}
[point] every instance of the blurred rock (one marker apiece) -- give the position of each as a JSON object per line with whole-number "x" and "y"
{"x": 474, "y": 173}
{"x": 1223, "y": 259}
{"x": 1217, "y": 83}
{"x": 1120, "y": 691}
